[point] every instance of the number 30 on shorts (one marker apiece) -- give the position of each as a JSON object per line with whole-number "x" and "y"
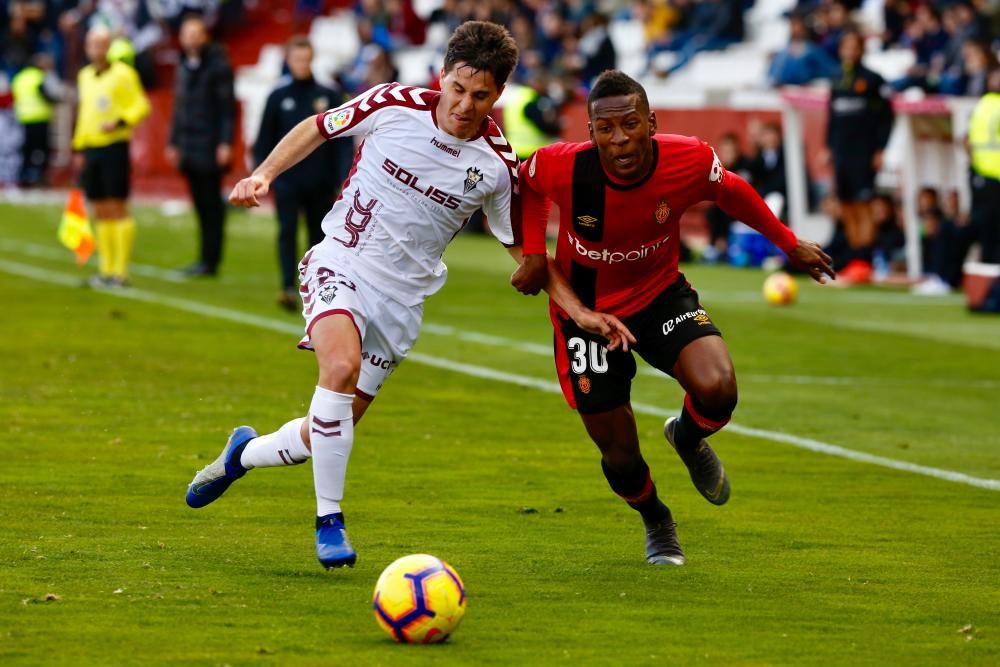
{"x": 584, "y": 351}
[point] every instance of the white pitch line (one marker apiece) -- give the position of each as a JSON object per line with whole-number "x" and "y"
{"x": 62, "y": 254}
{"x": 44, "y": 275}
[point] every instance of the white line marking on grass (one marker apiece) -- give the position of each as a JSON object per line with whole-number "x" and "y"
{"x": 548, "y": 386}
{"x": 62, "y": 254}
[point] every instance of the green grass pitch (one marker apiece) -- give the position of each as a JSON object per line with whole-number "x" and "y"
{"x": 109, "y": 402}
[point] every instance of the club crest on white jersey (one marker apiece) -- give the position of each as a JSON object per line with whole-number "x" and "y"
{"x": 401, "y": 206}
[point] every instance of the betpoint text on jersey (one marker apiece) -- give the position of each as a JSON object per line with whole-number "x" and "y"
{"x": 610, "y": 257}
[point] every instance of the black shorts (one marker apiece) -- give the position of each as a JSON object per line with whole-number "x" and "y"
{"x": 107, "y": 172}
{"x": 595, "y": 380}
{"x": 855, "y": 181}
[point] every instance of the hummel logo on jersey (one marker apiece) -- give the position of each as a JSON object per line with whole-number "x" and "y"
{"x": 450, "y": 150}
{"x": 472, "y": 178}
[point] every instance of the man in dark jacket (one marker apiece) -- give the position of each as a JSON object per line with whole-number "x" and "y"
{"x": 860, "y": 121}
{"x": 312, "y": 185}
{"x": 201, "y": 134}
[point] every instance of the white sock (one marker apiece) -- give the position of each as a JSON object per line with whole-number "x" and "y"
{"x": 331, "y": 433}
{"x": 284, "y": 447}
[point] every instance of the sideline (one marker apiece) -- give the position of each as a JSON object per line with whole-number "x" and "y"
{"x": 56, "y": 278}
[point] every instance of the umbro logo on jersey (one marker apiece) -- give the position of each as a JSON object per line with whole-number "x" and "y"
{"x": 450, "y": 150}
{"x": 472, "y": 178}
{"x": 586, "y": 220}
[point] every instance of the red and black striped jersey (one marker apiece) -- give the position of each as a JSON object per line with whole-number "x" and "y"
{"x": 619, "y": 243}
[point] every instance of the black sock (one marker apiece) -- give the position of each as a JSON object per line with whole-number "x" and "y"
{"x": 637, "y": 489}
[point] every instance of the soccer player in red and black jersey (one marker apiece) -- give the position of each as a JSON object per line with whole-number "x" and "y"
{"x": 620, "y": 198}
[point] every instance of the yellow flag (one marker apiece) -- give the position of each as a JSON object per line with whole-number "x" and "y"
{"x": 74, "y": 231}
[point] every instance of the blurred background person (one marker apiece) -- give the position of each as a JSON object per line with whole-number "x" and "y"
{"x": 946, "y": 242}
{"x": 719, "y": 222}
{"x": 860, "y": 121}
{"x": 111, "y": 102}
{"x": 311, "y": 186}
{"x": 767, "y": 167}
{"x": 530, "y": 115}
{"x": 984, "y": 154}
{"x": 36, "y": 90}
{"x": 802, "y": 61}
{"x": 201, "y": 135}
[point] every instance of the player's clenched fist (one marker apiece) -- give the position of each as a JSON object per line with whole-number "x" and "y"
{"x": 248, "y": 191}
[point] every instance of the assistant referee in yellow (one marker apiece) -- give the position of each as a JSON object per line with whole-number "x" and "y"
{"x": 111, "y": 102}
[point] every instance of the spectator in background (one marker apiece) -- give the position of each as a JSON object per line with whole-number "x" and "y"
{"x": 969, "y": 80}
{"x": 984, "y": 154}
{"x": 860, "y": 121}
{"x": 201, "y": 135}
{"x": 767, "y": 167}
{"x": 111, "y": 102}
{"x": 706, "y": 25}
{"x": 835, "y": 21}
{"x": 962, "y": 24}
{"x": 36, "y": 89}
{"x": 596, "y": 50}
{"x": 925, "y": 36}
{"x": 313, "y": 184}
{"x": 802, "y": 60}
{"x": 530, "y": 116}
{"x": 946, "y": 242}
{"x": 895, "y": 16}
{"x": 889, "y": 252}
{"x": 732, "y": 158}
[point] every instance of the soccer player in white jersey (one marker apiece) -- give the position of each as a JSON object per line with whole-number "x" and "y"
{"x": 427, "y": 162}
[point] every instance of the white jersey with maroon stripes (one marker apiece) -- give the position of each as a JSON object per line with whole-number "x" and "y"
{"x": 412, "y": 188}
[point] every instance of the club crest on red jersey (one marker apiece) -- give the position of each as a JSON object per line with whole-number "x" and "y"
{"x": 472, "y": 178}
{"x": 662, "y": 211}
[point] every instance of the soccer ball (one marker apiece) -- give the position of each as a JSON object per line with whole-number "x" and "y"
{"x": 780, "y": 289}
{"x": 419, "y": 599}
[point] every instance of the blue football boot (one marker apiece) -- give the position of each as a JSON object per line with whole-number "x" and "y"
{"x": 213, "y": 480}
{"x": 333, "y": 549}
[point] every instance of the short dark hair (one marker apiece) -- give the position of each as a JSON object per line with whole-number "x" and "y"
{"x": 612, "y": 83}
{"x": 483, "y": 46}
{"x": 298, "y": 42}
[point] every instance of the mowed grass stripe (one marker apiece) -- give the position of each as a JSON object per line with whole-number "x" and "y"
{"x": 239, "y": 317}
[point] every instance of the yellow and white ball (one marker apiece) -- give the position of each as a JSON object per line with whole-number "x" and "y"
{"x": 419, "y": 599}
{"x": 780, "y": 289}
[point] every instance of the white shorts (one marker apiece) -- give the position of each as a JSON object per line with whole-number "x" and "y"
{"x": 387, "y": 328}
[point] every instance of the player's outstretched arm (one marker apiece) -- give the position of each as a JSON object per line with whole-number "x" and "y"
{"x": 293, "y": 147}
{"x": 559, "y": 289}
{"x": 737, "y": 198}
